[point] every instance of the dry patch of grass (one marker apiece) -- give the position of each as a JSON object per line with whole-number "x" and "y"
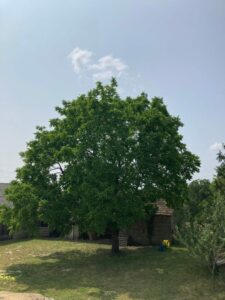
{"x": 68, "y": 270}
{"x": 21, "y": 296}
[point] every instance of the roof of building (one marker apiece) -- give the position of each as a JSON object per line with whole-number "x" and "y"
{"x": 163, "y": 209}
{"x": 3, "y": 186}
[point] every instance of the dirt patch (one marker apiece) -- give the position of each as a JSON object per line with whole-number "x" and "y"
{"x": 22, "y": 296}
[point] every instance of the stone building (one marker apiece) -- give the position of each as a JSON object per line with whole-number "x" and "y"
{"x": 153, "y": 231}
{"x": 144, "y": 232}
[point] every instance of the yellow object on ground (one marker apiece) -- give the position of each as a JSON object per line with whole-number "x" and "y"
{"x": 166, "y": 243}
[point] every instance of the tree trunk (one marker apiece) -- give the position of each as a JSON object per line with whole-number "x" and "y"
{"x": 115, "y": 242}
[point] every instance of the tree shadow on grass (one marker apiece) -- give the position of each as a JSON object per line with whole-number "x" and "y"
{"x": 13, "y": 241}
{"x": 140, "y": 273}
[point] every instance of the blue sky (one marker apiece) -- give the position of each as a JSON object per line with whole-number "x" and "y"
{"x": 53, "y": 50}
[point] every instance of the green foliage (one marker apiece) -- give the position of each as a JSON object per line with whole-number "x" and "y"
{"x": 202, "y": 228}
{"x": 219, "y": 179}
{"x": 206, "y": 239}
{"x": 199, "y": 197}
{"x": 23, "y": 214}
{"x": 105, "y": 161}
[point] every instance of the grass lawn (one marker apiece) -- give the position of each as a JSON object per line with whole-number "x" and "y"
{"x": 70, "y": 270}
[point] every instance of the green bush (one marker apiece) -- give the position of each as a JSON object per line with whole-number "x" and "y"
{"x": 204, "y": 236}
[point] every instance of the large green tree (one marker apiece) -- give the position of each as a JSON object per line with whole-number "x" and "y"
{"x": 105, "y": 161}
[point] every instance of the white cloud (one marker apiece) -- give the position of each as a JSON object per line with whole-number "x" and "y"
{"x": 216, "y": 147}
{"x": 106, "y": 67}
{"x": 80, "y": 58}
{"x": 100, "y": 76}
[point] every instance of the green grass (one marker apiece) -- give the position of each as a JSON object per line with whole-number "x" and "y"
{"x": 70, "y": 270}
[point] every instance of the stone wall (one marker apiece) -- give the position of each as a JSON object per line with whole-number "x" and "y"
{"x": 123, "y": 238}
{"x": 4, "y": 234}
{"x": 162, "y": 229}
{"x": 43, "y": 231}
{"x": 74, "y": 233}
{"x": 138, "y": 233}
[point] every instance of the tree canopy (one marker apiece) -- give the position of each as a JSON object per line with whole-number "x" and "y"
{"x": 104, "y": 162}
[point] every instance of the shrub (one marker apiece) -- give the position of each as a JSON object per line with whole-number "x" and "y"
{"x": 204, "y": 236}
